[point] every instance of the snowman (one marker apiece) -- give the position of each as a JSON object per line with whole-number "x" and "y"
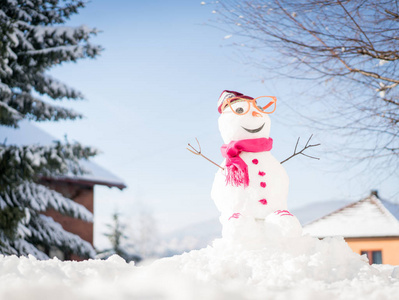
{"x": 251, "y": 187}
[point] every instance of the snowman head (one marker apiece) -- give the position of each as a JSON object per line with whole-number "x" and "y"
{"x": 243, "y": 117}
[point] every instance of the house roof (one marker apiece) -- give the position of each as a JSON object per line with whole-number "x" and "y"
{"x": 369, "y": 217}
{"x": 28, "y": 133}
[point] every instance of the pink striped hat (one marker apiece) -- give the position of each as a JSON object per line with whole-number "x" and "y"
{"x": 229, "y": 94}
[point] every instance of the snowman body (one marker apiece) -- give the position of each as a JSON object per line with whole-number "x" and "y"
{"x": 250, "y": 213}
{"x": 266, "y": 193}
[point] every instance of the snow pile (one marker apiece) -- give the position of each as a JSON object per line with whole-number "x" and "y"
{"x": 28, "y": 278}
{"x": 297, "y": 268}
{"x": 289, "y": 264}
{"x": 199, "y": 235}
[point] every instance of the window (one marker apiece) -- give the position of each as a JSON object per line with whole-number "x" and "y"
{"x": 374, "y": 257}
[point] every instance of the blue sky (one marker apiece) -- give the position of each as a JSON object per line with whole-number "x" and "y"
{"x": 154, "y": 89}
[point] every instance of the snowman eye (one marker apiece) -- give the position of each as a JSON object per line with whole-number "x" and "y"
{"x": 240, "y": 107}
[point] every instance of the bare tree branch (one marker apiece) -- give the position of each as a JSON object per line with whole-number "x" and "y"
{"x": 347, "y": 52}
{"x": 302, "y": 150}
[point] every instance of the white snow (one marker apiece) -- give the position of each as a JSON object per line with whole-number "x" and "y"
{"x": 382, "y": 62}
{"x": 299, "y": 268}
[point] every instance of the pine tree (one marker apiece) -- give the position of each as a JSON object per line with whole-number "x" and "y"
{"x": 32, "y": 41}
{"x": 116, "y": 237}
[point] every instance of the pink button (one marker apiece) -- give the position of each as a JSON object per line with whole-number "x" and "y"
{"x": 255, "y": 161}
{"x": 262, "y": 173}
{"x": 263, "y": 201}
{"x": 263, "y": 184}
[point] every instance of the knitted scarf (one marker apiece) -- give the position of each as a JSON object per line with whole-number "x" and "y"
{"x": 237, "y": 169}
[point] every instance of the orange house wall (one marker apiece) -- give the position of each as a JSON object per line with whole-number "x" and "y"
{"x": 389, "y": 246}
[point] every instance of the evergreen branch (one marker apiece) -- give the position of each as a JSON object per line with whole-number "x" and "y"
{"x": 27, "y": 162}
{"x": 45, "y": 229}
{"x": 38, "y": 110}
{"x": 23, "y": 247}
{"x": 9, "y": 116}
{"x": 45, "y": 84}
{"x": 40, "y": 198}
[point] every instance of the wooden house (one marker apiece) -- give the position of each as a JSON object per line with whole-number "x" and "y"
{"x": 79, "y": 188}
{"x": 370, "y": 226}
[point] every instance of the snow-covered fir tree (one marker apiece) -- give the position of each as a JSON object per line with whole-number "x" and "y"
{"x": 32, "y": 40}
{"x": 117, "y": 236}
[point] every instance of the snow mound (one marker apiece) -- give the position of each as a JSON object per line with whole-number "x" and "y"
{"x": 288, "y": 263}
{"x": 295, "y": 268}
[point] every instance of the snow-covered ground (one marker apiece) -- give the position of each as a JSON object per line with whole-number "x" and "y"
{"x": 200, "y": 235}
{"x": 296, "y": 268}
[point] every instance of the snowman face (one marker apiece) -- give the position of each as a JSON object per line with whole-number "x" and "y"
{"x": 252, "y": 125}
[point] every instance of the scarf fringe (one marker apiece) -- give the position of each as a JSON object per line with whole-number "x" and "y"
{"x": 237, "y": 169}
{"x": 237, "y": 177}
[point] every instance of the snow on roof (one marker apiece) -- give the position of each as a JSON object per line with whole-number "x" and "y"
{"x": 369, "y": 217}
{"x": 28, "y": 134}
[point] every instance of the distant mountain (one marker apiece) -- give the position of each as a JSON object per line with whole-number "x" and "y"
{"x": 192, "y": 237}
{"x": 201, "y": 235}
{"x": 316, "y": 210}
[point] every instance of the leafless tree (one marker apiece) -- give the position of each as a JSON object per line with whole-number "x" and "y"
{"x": 347, "y": 49}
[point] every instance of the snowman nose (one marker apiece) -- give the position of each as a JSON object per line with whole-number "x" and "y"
{"x": 256, "y": 114}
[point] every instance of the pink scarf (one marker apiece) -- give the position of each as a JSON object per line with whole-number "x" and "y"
{"x": 237, "y": 169}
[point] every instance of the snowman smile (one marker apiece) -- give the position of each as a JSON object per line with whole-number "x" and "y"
{"x": 254, "y": 130}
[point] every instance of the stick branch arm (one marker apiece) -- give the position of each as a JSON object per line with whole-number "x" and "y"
{"x": 301, "y": 152}
{"x": 198, "y": 152}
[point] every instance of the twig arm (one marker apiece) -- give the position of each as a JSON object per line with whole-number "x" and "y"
{"x": 198, "y": 152}
{"x": 211, "y": 161}
{"x": 302, "y": 151}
